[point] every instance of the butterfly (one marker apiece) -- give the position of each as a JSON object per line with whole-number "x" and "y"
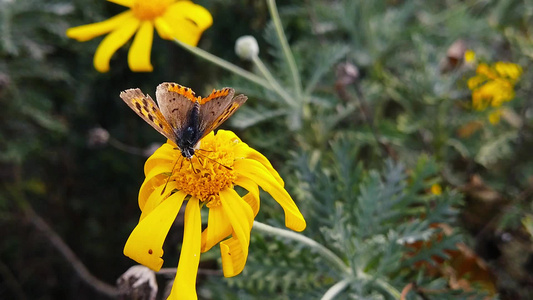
{"x": 180, "y": 115}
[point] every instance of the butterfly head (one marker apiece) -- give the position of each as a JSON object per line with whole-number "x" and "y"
{"x": 187, "y": 152}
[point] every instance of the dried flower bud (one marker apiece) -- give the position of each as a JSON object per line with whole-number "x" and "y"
{"x": 347, "y": 73}
{"x": 138, "y": 283}
{"x": 454, "y": 56}
{"x": 246, "y": 47}
{"x": 97, "y": 137}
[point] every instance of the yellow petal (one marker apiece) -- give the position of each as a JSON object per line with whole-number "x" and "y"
{"x": 218, "y": 228}
{"x": 470, "y": 56}
{"x": 155, "y": 179}
{"x": 187, "y": 21}
{"x": 164, "y": 154}
{"x": 145, "y": 244}
{"x": 86, "y": 32}
{"x": 163, "y": 29}
{"x": 240, "y": 215}
{"x": 112, "y": 42}
{"x": 233, "y": 258}
{"x": 476, "y": 81}
{"x": 127, "y": 3}
{"x": 244, "y": 151}
{"x": 157, "y": 196}
{"x": 184, "y": 286}
{"x": 252, "y": 197}
{"x": 139, "y": 54}
{"x": 494, "y": 117}
{"x": 259, "y": 173}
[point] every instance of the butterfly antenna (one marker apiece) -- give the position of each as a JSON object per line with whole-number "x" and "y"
{"x": 229, "y": 168}
{"x": 204, "y": 150}
{"x": 192, "y": 166}
{"x": 168, "y": 178}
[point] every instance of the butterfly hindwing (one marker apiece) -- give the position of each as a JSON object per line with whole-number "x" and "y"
{"x": 176, "y": 103}
{"x": 146, "y": 108}
{"x": 213, "y": 115}
{"x": 212, "y": 107}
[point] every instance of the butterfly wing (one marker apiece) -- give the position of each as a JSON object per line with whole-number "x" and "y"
{"x": 217, "y": 108}
{"x": 176, "y": 103}
{"x": 146, "y": 108}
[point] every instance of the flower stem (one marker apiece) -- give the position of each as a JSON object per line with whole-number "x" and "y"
{"x": 285, "y": 48}
{"x": 273, "y": 82}
{"x": 325, "y": 252}
{"x": 226, "y": 65}
{"x": 336, "y": 289}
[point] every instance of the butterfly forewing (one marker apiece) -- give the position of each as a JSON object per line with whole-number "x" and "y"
{"x": 176, "y": 102}
{"x": 146, "y": 108}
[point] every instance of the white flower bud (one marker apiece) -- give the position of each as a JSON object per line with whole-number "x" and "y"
{"x": 246, "y": 47}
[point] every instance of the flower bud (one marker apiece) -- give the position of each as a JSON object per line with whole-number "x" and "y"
{"x": 246, "y": 47}
{"x": 97, "y": 137}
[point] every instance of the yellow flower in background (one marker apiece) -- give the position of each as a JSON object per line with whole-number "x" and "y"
{"x": 494, "y": 117}
{"x": 182, "y": 20}
{"x": 436, "y": 189}
{"x": 208, "y": 179}
{"x": 493, "y": 85}
{"x": 470, "y": 56}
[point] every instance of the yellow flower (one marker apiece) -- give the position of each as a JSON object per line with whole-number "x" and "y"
{"x": 470, "y": 56}
{"x": 182, "y": 20}
{"x": 493, "y": 85}
{"x": 494, "y": 117}
{"x": 436, "y": 189}
{"x": 208, "y": 179}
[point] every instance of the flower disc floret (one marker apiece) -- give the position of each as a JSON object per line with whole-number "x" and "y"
{"x": 149, "y": 10}
{"x": 208, "y": 172}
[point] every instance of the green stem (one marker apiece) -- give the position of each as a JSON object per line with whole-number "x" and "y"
{"x": 285, "y": 48}
{"x": 336, "y": 289}
{"x": 272, "y": 81}
{"x": 226, "y": 65}
{"x": 325, "y": 252}
{"x": 381, "y": 283}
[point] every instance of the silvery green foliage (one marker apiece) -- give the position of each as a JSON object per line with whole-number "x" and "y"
{"x": 367, "y": 218}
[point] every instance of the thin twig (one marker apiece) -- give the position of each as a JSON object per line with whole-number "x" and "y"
{"x": 11, "y": 281}
{"x": 68, "y": 254}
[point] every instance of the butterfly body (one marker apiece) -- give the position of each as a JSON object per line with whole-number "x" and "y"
{"x": 180, "y": 115}
{"x": 188, "y": 138}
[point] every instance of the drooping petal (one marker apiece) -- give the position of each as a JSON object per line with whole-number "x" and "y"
{"x": 244, "y": 151}
{"x": 184, "y": 286}
{"x": 112, "y": 42}
{"x": 240, "y": 215}
{"x": 157, "y": 177}
{"x": 164, "y": 154}
{"x": 252, "y": 198}
{"x": 187, "y": 21}
{"x": 163, "y": 28}
{"x": 259, "y": 173}
{"x": 233, "y": 257}
{"x": 139, "y": 54}
{"x": 156, "y": 197}
{"x": 218, "y": 228}
{"x": 127, "y": 3}
{"x": 86, "y": 32}
{"x": 145, "y": 244}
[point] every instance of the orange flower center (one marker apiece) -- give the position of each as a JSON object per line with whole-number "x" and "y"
{"x": 150, "y": 9}
{"x": 208, "y": 172}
